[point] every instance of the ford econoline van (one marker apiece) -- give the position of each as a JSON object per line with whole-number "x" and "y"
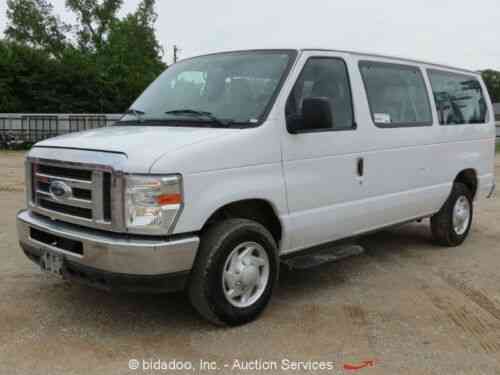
{"x": 229, "y": 162}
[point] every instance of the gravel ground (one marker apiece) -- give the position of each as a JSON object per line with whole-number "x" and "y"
{"x": 410, "y": 306}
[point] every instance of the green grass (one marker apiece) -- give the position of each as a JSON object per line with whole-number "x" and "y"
{"x": 498, "y": 147}
{"x": 9, "y": 154}
{"x": 2, "y": 151}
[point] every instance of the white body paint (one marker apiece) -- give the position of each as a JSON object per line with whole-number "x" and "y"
{"x": 310, "y": 179}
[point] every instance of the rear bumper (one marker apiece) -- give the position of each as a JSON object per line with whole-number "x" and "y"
{"x": 117, "y": 261}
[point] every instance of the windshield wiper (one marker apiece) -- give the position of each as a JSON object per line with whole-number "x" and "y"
{"x": 208, "y": 115}
{"x": 136, "y": 112}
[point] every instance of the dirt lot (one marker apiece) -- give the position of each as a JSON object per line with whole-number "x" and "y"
{"x": 412, "y": 307}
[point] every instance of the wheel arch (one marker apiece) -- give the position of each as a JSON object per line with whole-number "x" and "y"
{"x": 257, "y": 209}
{"x": 468, "y": 177}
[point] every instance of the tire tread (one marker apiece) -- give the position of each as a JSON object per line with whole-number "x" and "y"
{"x": 442, "y": 221}
{"x": 212, "y": 240}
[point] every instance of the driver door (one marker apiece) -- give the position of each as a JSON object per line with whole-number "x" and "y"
{"x": 323, "y": 167}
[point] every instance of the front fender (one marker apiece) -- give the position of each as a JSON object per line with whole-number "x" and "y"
{"x": 206, "y": 192}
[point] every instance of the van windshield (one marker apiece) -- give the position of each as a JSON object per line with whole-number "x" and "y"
{"x": 214, "y": 90}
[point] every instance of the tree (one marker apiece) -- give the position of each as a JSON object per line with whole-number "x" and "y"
{"x": 32, "y": 80}
{"x": 130, "y": 57}
{"x": 32, "y": 24}
{"x": 95, "y": 19}
{"x": 492, "y": 81}
{"x": 101, "y": 67}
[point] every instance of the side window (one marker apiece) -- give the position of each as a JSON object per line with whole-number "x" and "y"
{"x": 397, "y": 94}
{"x": 459, "y": 98}
{"x": 325, "y": 78}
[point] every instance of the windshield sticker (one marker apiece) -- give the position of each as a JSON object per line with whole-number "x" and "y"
{"x": 382, "y": 118}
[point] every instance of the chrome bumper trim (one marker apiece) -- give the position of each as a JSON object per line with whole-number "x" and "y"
{"x": 112, "y": 252}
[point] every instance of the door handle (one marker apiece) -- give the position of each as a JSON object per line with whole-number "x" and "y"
{"x": 361, "y": 167}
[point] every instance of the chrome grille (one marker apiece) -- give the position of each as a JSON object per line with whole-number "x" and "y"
{"x": 88, "y": 201}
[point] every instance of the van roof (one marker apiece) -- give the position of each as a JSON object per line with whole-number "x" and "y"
{"x": 368, "y": 54}
{"x": 357, "y": 53}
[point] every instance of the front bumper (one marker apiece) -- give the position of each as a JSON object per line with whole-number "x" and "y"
{"x": 118, "y": 261}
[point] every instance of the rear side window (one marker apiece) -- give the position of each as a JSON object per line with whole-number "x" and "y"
{"x": 397, "y": 94}
{"x": 325, "y": 77}
{"x": 459, "y": 98}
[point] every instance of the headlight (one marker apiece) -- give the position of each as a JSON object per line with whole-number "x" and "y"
{"x": 152, "y": 203}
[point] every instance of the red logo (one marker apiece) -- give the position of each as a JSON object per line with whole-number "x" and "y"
{"x": 356, "y": 367}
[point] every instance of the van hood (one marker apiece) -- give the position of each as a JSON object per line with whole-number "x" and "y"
{"x": 142, "y": 145}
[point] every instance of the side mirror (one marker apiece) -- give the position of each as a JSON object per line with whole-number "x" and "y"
{"x": 294, "y": 123}
{"x": 317, "y": 113}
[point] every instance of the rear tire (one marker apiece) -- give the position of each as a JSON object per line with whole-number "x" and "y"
{"x": 235, "y": 272}
{"x": 451, "y": 225}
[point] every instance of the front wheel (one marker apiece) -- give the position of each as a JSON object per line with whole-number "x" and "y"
{"x": 451, "y": 225}
{"x": 235, "y": 272}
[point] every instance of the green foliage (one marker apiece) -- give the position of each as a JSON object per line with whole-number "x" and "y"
{"x": 492, "y": 80}
{"x": 95, "y": 19}
{"x": 102, "y": 68}
{"x": 32, "y": 23}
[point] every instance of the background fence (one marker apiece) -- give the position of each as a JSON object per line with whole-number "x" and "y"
{"x": 22, "y": 130}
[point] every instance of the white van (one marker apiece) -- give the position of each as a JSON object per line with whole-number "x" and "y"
{"x": 230, "y": 161}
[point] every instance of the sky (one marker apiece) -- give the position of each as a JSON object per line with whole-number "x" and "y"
{"x": 454, "y": 32}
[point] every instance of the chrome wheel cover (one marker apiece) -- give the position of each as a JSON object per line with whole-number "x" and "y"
{"x": 461, "y": 215}
{"x": 245, "y": 274}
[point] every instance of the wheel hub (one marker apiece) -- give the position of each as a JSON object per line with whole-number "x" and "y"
{"x": 249, "y": 276}
{"x": 461, "y": 215}
{"x": 245, "y": 274}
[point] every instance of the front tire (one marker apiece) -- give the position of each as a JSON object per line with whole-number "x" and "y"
{"x": 235, "y": 272}
{"x": 451, "y": 225}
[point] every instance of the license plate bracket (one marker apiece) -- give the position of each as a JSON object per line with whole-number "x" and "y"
{"x": 52, "y": 263}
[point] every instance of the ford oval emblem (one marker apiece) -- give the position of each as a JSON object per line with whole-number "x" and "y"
{"x": 59, "y": 190}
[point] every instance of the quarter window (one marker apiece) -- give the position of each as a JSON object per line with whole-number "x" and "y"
{"x": 396, "y": 94}
{"x": 459, "y": 98}
{"x": 322, "y": 77}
